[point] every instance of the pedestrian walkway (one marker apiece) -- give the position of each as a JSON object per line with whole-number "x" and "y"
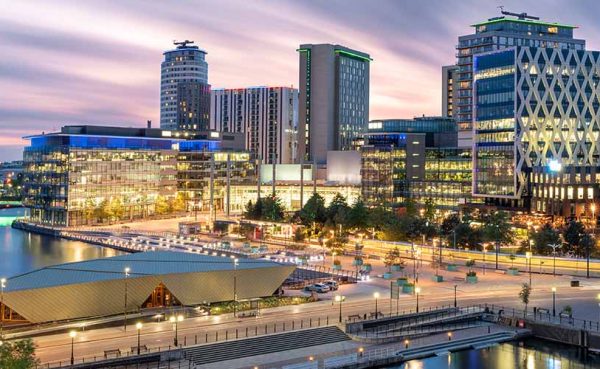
{"x": 263, "y": 345}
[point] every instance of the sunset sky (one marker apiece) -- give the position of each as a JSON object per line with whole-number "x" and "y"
{"x": 98, "y": 62}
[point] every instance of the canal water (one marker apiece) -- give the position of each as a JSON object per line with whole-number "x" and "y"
{"x": 528, "y": 354}
{"x": 22, "y": 252}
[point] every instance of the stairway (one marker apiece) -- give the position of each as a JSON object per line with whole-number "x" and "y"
{"x": 232, "y": 350}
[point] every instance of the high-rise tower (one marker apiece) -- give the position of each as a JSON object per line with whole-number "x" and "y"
{"x": 184, "y": 89}
{"x": 510, "y": 29}
{"x": 334, "y": 99}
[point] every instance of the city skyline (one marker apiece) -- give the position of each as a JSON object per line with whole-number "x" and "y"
{"x": 102, "y": 68}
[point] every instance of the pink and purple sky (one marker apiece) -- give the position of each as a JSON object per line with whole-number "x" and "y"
{"x": 98, "y": 62}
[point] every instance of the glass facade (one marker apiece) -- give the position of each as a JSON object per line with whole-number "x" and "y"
{"x": 448, "y": 178}
{"x": 495, "y": 127}
{"x": 83, "y": 179}
{"x": 352, "y": 99}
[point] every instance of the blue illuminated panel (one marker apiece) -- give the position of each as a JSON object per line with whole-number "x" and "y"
{"x": 199, "y": 145}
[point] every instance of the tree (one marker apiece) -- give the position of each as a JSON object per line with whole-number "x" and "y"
{"x": 161, "y": 205}
{"x": 358, "y": 216}
{"x": 18, "y": 355}
{"x": 89, "y": 210}
{"x": 299, "y": 234}
{"x": 392, "y": 257}
{"x": 524, "y": 296}
{"x": 468, "y": 236}
{"x": 313, "y": 211}
{"x": 272, "y": 209}
{"x": 497, "y": 228}
{"x": 544, "y": 237}
{"x": 337, "y": 211}
{"x": 429, "y": 213}
{"x": 180, "y": 202}
{"x": 116, "y": 209}
{"x": 450, "y": 223}
{"x": 101, "y": 212}
{"x": 573, "y": 234}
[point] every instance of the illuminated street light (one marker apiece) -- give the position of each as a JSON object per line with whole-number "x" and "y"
{"x": 340, "y": 299}
{"x": 236, "y": 262}
{"x": 138, "y": 326}
{"x": 127, "y": 270}
{"x": 528, "y": 258}
{"x": 376, "y": 296}
{"x": 72, "y": 334}
{"x": 553, "y": 301}
{"x": 175, "y": 320}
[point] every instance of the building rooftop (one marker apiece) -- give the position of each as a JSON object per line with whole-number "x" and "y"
{"x": 523, "y": 21}
{"x": 140, "y": 264}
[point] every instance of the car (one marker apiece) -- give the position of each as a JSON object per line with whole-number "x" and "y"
{"x": 318, "y": 287}
{"x": 333, "y": 285}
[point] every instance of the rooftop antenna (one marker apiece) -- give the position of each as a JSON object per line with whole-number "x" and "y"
{"x": 182, "y": 44}
{"x": 521, "y": 16}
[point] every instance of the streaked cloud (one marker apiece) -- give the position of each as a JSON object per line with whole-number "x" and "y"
{"x": 98, "y": 62}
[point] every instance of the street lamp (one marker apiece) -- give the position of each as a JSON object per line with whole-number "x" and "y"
{"x": 340, "y": 299}
{"x": 553, "y": 301}
{"x": 236, "y": 262}
{"x": 138, "y": 326}
{"x": 528, "y": 258}
{"x": 2, "y": 287}
{"x": 455, "y": 295}
{"x": 417, "y": 292}
{"x": 376, "y": 296}
{"x": 175, "y": 320}
{"x": 127, "y": 270}
{"x": 554, "y": 247}
{"x": 484, "y": 252}
{"x": 72, "y": 334}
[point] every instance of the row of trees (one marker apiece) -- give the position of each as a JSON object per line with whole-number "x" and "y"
{"x": 114, "y": 209}
{"x": 572, "y": 239}
{"x": 471, "y": 229}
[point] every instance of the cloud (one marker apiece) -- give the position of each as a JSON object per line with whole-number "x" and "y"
{"x": 98, "y": 62}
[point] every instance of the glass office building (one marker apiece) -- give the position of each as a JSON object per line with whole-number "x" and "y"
{"x": 416, "y": 159}
{"x": 84, "y": 175}
{"x": 498, "y": 33}
{"x": 537, "y": 128}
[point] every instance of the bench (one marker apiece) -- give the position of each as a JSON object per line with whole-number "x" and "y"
{"x": 354, "y": 317}
{"x": 113, "y": 352}
{"x": 375, "y": 314}
{"x": 499, "y": 271}
{"x": 248, "y": 314}
{"x": 143, "y": 348}
{"x": 459, "y": 279}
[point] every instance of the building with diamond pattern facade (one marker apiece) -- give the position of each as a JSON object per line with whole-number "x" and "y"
{"x": 536, "y": 126}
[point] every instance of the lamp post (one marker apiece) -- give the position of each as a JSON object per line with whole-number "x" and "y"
{"x": 554, "y": 247}
{"x": 417, "y": 292}
{"x": 236, "y": 262}
{"x": 376, "y": 296}
{"x": 528, "y": 258}
{"x": 175, "y": 320}
{"x": 340, "y": 299}
{"x": 2, "y": 287}
{"x": 553, "y": 301}
{"x": 484, "y": 252}
{"x": 127, "y": 270}
{"x": 455, "y": 302}
{"x": 138, "y": 326}
{"x": 72, "y": 334}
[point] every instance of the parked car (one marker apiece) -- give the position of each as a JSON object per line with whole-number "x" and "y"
{"x": 318, "y": 287}
{"x": 333, "y": 285}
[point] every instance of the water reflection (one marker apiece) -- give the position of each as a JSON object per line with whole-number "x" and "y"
{"x": 529, "y": 354}
{"x": 21, "y": 252}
